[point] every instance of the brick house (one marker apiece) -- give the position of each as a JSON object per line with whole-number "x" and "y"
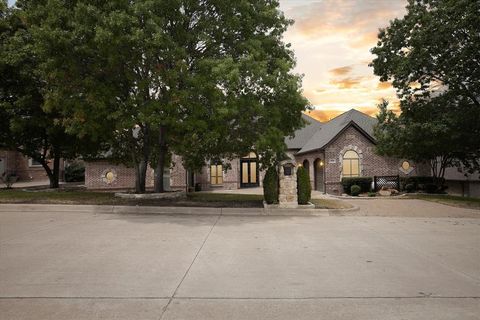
{"x": 341, "y": 147}
{"x": 27, "y": 169}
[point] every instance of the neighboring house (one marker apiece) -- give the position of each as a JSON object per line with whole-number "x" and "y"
{"x": 463, "y": 184}
{"x": 27, "y": 169}
{"x": 341, "y": 147}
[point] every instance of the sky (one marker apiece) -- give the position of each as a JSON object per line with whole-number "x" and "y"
{"x": 331, "y": 40}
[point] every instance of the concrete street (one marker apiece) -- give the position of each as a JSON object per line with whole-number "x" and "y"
{"x": 87, "y": 265}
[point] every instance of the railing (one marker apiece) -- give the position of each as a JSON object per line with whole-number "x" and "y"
{"x": 391, "y": 182}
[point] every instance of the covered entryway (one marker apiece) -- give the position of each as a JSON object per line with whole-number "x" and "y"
{"x": 318, "y": 172}
{"x": 249, "y": 171}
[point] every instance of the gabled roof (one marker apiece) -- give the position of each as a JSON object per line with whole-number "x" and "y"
{"x": 301, "y": 136}
{"x": 330, "y": 130}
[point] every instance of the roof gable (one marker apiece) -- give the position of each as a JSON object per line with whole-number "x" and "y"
{"x": 331, "y": 129}
{"x": 302, "y": 135}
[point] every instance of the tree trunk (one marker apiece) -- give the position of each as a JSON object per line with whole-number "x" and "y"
{"x": 140, "y": 176}
{"x": 158, "y": 183}
{"x": 54, "y": 182}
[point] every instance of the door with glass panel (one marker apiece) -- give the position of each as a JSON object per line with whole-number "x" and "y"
{"x": 249, "y": 171}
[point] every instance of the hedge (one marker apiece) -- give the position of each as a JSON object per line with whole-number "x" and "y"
{"x": 365, "y": 183}
{"x": 304, "y": 189}
{"x": 419, "y": 183}
{"x": 270, "y": 186}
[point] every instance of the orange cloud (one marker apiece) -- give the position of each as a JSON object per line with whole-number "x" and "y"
{"x": 347, "y": 83}
{"x": 341, "y": 71}
{"x": 366, "y": 40}
{"x": 384, "y": 85}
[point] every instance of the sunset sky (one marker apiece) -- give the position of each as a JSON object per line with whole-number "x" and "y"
{"x": 331, "y": 40}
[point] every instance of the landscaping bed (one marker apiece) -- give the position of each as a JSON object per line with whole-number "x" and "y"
{"x": 196, "y": 199}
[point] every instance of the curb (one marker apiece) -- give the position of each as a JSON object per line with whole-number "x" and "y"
{"x": 99, "y": 209}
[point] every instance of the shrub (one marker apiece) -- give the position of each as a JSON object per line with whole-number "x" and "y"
{"x": 410, "y": 187}
{"x": 364, "y": 183}
{"x": 431, "y": 188}
{"x": 270, "y": 186}
{"x": 355, "y": 190}
{"x": 304, "y": 189}
{"x": 372, "y": 194}
{"x": 421, "y": 182}
{"x": 9, "y": 179}
{"x": 75, "y": 172}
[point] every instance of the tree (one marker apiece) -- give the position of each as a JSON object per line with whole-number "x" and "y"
{"x": 26, "y": 127}
{"x": 431, "y": 57}
{"x": 206, "y": 80}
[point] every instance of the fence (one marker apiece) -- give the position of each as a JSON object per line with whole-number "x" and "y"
{"x": 391, "y": 182}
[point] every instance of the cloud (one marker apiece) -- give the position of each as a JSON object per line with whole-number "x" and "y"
{"x": 367, "y": 40}
{"x": 330, "y": 17}
{"x": 384, "y": 85}
{"x": 341, "y": 70}
{"x": 346, "y": 83}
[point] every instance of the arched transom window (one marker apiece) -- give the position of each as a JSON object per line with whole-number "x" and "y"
{"x": 351, "y": 164}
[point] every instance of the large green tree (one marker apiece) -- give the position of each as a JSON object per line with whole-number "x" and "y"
{"x": 207, "y": 80}
{"x": 26, "y": 126}
{"x": 431, "y": 57}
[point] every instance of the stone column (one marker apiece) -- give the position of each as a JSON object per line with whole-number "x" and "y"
{"x": 287, "y": 174}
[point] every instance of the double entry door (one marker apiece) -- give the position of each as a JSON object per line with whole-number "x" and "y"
{"x": 249, "y": 173}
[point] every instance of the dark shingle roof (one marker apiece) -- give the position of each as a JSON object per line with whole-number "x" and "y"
{"x": 301, "y": 136}
{"x": 329, "y": 130}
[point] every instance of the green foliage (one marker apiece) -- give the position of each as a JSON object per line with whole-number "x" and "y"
{"x": 355, "y": 190}
{"x": 270, "y": 186}
{"x": 431, "y": 188}
{"x": 364, "y": 183}
{"x": 304, "y": 189}
{"x": 206, "y": 80}
{"x": 420, "y": 182}
{"x": 75, "y": 172}
{"x": 430, "y": 57}
{"x": 372, "y": 194}
{"x": 410, "y": 187}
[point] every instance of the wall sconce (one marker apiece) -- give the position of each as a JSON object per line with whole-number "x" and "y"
{"x": 321, "y": 163}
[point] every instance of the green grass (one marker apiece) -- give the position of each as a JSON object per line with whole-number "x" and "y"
{"x": 457, "y": 201}
{"x": 196, "y": 199}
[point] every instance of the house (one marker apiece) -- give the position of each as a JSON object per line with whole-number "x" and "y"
{"x": 26, "y": 169}
{"x": 341, "y": 147}
{"x": 462, "y": 183}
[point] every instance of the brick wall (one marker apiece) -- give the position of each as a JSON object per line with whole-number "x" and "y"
{"x": 123, "y": 177}
{"x": 15, "y": 162}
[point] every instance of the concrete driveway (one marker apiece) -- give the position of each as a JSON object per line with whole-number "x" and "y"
{"x": 83, "y": 265}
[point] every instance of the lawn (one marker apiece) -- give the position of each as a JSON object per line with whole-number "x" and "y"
{"x": 196, "y": 199}
{"x": 457, "y": 201}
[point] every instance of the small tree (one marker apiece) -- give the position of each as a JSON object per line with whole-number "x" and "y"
{"x": 304, "y": 189}
{"x": 270, "y": 186}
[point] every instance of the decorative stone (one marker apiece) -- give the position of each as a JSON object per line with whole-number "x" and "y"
{"x": 287, "y": 175}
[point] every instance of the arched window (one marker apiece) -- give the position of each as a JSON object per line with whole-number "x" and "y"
{"x": 306, "y": 165}
{"x": 351, "y": 164}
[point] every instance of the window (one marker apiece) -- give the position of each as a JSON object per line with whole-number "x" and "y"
{"x": 33, "y": 163}
{"x": 216, "y": 174}
{"x": 351, "y": 164}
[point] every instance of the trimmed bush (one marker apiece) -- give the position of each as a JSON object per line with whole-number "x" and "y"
{"x": 355, "y": 190}
{"x": 270, "y": 186}
{"x": 421, "y": 182}
{"x": 372, "y": 194}
{"x": 410, "y": 187}
{"x": 364, "y": 183}
{"x": 431, "y": 188}
{"x": 304, "y": 189}
{"x": 75, "y": 172}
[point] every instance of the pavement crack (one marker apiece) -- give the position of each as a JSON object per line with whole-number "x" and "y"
{"x": 189, "y": 267}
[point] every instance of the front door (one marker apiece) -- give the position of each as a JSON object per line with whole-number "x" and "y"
{"x": 249, "y": 171}
{"x": 318, "y": 167}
